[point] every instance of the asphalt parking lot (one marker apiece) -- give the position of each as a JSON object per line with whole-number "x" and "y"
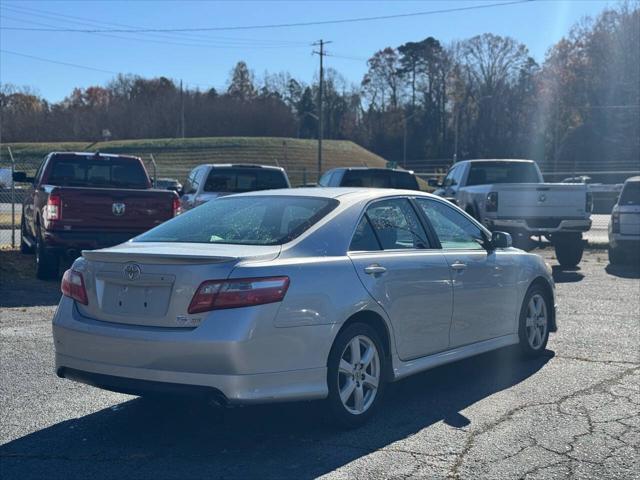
{"x": 573, "y": 413}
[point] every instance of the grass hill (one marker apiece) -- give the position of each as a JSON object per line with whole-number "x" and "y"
{"x": 176, "y": 157}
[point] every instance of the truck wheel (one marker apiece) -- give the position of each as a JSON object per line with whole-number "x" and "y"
{"x": 569, "y": 248}
{"x": 46, "y": 262}
{"x": 615, "y": 256}
{"x": 24, "y": 248}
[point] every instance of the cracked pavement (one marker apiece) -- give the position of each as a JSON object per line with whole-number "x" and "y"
{"x": 574, "y": 413}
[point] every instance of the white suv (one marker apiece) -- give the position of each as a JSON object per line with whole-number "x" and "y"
{"x": 624, "y": 227}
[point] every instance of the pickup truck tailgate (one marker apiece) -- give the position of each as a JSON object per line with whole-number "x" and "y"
{"x": 546, "y": 200}
{"x": 113, "y": 209}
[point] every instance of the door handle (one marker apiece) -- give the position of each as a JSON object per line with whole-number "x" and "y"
{"x": 375, "y": 269}
{"x": 458, "y": 265}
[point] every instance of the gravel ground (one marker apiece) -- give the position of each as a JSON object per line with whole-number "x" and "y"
{"x": 575, "y": 412}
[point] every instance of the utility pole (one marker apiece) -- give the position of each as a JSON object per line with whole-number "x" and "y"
{"x": 321, "y": 53}
{"x": 181, "y": 111}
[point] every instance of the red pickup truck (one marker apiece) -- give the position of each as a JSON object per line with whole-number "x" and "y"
{"x": 81, "y": 201}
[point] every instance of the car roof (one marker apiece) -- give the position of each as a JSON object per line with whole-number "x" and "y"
{"x": 486, "y": 160}
{"x": 93, "y": 154}
{"x": 344, "y": 193}
{"x": 248, "y": 166}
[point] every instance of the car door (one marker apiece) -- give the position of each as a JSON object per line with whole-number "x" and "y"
{"x": 485, "y": 295}
{"x": 408, "y": 278}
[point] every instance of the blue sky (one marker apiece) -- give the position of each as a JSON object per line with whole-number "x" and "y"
{"x": 204, "y": 59}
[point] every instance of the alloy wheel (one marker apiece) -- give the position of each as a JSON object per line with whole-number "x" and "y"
{"x": 536, "y": 321}
{"x": 359, "y": 374}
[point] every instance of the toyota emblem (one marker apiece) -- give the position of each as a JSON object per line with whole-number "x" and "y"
{"x": 118, "y": 209}
{"x": 131, "y": 271}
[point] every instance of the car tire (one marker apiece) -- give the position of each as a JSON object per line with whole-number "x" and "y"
{"x": 353, "y": 393}
{"x": 615, "y": 256}
{"x": 535, "y": 321}
{"x": 24, "y": 248}
{"x": 47, "y": 263}
{"x": 569, "y": 249}
{"x": 523, "y": 241}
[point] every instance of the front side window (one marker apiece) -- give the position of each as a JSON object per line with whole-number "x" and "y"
{"x": 396, "y": 225}
{"x": 450, "y": 179}
{"x": 454, "y": 230}
{"x": 254, "y": 220}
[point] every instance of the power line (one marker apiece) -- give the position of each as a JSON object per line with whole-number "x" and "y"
{"x": 277, "y": 25}
{"x": 172, "y": 36}
{"x": 85, "y": 67}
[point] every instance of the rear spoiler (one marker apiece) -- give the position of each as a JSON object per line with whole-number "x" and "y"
{"x": 157, "y": 258}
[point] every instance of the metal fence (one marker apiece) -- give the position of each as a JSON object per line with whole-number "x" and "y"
{"x": 11, "y": 195}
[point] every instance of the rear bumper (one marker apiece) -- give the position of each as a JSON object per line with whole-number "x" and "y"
{"x": 63, "y": 241}
{"x": 235, "y": 355}
{"x": 541, "y": 226}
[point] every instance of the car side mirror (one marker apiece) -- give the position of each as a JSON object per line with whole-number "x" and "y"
{"x": 501, "y": 240}
{"x": 21, "y": 177}
{"x": 434, "y": 182}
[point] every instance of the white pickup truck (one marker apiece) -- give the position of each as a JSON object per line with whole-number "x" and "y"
{"x": 511, "y": 196}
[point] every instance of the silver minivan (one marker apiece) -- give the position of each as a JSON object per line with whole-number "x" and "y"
{"x": 206, "y": 182}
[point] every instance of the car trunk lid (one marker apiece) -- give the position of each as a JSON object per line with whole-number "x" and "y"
{"x": 152, "y": 284}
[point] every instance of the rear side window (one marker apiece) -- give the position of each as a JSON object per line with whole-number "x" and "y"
{"x": 252, "y": 220}
{"x": 379, "y": 179}
{"x": 103, "y": 172}
{"x": 364, "y": 238}
{"x": 396, "y": 225}
{"x": 630, "y": 194}
{"x": 235, "y": 180}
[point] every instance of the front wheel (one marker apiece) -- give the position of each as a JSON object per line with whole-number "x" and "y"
{"x": 534, "y": 322}
{"x": 569, "y": 249}
{"x": 355, "y": 375}
{"x": 24, "y": 248}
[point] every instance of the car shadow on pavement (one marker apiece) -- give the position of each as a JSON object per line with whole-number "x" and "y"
{"x": 566, "y": 275}
{"x": 18, "y": 285}
{"x": 142, "y": 438}
{"x": 632, "y": 270}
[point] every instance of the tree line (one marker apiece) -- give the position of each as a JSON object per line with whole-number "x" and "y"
{"x": 480, "y": 97}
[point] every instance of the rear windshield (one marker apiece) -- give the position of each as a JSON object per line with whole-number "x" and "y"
{"x": 255, "y": 220}
{"x": 379, "y": 179}
{"x": 103, "y": 172}
{"x": 237, "y": 180}
{"x": 486, "y": 173}
{"x": 630, "y": 194}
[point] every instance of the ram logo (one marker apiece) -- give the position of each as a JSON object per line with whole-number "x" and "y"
{"x": 118, "y": 209}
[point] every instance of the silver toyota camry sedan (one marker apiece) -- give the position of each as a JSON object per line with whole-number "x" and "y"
{"x": 318, "y": 293}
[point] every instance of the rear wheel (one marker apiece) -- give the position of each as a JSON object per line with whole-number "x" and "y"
{"x": 46, "y": 262}
{"x": 24, "y": 247}
{"x": 569, "y": 248}
{"x": 355, "y": 375}
{"x": 534, "y": 322}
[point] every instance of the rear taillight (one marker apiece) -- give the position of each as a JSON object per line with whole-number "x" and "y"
{"x": 615, "y": 222}
{"x": 73, "y": 286}
{"x": 589, "y": 203}
{"x": 176, "y": 208}
{"x": 241, "y": 292}
{"x": 492, "y": 202}
{"x": 53, "y": 208}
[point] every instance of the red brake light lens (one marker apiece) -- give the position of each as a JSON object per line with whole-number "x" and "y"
{"x": 53, "y": 209}
{"x": 73, "y": 286}
{"x": 176, "y": 207}
{"x": 240, "y": 292}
